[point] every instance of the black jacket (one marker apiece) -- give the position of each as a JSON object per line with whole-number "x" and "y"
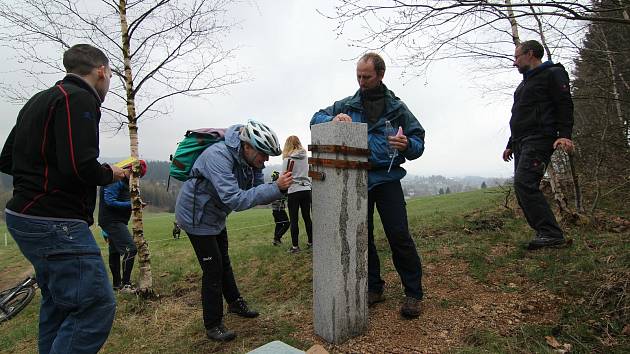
{"x": 51, "y": 153}
{"x": 542, "y": 105}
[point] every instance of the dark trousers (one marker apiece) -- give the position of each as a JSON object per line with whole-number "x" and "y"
{"x": 121, "y": 245}
{"x": 300, "y": 200}
{"x": 530, "y": 162}
{"x": 282, "y": 223}
{"x": 390, "y": 203}
{"x": 218, "y": 279}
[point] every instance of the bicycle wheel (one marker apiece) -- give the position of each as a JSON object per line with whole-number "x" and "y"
{"x": 17, "y": 303}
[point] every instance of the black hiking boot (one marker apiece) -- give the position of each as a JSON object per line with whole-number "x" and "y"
{"x": 375, "y": 298}
{"x": 240, "y": 308}
{"x": 220, "y": 334}
{"x": 545, "y": 241}
{"x": 411, "y": 307}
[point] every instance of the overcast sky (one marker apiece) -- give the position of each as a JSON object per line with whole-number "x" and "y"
{"x": 299, "y": 65}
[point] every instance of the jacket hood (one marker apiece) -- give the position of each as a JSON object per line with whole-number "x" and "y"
{"x": 232, "y": 139}
{"x": 539, "y": 68}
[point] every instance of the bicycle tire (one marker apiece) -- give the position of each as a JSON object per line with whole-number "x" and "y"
{"x": 17, "y": 303}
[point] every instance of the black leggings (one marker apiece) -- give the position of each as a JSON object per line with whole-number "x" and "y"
{"x": 217, "y": 281}
{"x": 301, "y": 200}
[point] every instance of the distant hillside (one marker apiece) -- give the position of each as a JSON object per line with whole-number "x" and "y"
{"x": 154, "y": 184}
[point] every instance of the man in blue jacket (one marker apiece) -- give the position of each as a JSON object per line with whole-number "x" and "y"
{"x": 542, "y": 121}
{"x": 114, "y": 212}
{"x": 375, "y": 104}
{"x": 226, "y": 176}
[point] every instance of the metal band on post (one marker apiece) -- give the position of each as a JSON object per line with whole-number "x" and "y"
{"x": 314, "y": 162}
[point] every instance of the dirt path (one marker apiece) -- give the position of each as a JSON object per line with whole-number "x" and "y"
{"x": 456, "y": 307}
{"x": 11, "y": 275}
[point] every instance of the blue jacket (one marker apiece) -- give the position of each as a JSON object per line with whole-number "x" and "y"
{"x": 114, "y": 203}
{"x": 399, "y": 115}
{"x": 224, "y": 182}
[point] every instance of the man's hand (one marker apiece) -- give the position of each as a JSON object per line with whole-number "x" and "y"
{"x": 119, "y": 173}
{"x": 565, "y": 144}
{"x": 507, "y": 155}
{"x": 342, "y": 117}
{"x": 285, "y": 180}
{"x": 398, "y": 142}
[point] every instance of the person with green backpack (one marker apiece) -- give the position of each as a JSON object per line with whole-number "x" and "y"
{"x": 226, "y": 176}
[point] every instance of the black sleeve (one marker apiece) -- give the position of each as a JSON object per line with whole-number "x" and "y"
{"x": 561, "y": 96}
{"x": 6, "y": 158}
{"x": 76, "y": 132}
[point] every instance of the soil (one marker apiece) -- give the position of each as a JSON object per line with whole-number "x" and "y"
{"x": 455, "y": 307}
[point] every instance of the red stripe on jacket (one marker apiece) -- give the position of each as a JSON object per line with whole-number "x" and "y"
{"x": 74, "y": 163}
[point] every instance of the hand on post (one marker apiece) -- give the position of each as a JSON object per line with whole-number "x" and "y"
{"x": 342, "y": 117}
{"x": 284, "y": 181}
{"x": 564, "y": 144}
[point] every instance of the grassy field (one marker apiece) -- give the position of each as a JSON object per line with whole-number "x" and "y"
{"x": 484, "y": 293}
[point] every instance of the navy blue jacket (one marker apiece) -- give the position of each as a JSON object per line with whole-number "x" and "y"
{"x": 542, "y": 104}
{"x": 114, "y": 203}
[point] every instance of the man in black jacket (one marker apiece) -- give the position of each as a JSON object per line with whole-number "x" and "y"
{"x": 542, "y": 120}
{"x": 52, "y": 154}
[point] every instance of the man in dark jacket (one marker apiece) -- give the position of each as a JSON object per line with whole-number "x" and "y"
{"x": 375, "y": 104}
{"x": 542, "y": 120}
{"x": 52, "y": 154}
{"x": 114, "y": 212}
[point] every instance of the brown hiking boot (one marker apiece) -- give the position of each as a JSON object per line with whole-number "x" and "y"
{"x": 411, "y": 307}
{"x": 375, "y": 298}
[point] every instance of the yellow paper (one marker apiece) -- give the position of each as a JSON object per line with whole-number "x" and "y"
{"x": 126, "y": 162}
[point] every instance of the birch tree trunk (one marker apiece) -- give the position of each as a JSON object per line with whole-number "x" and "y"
{"x": 513, "y": 24}
{"x": 145, "y": 279}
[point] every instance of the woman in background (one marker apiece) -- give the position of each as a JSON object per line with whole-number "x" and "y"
{"x": 295, "y": 159}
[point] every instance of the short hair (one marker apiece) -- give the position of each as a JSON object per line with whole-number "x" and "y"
{"x": 81, "y": 59}
{"x": 533, "y": 45}
{"x": 377, "y": 60}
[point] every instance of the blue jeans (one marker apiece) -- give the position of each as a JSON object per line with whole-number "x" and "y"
{"x": 78, "y": 304}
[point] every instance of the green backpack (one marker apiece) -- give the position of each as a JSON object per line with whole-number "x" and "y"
{"x": 189, "y": 149}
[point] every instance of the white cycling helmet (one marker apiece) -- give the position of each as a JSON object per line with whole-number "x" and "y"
{"x": 261, "y": 138}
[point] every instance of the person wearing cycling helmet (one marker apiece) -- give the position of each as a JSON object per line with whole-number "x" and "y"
{"x": 227, "y": 176}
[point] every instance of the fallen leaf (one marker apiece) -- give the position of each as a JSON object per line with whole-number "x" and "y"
{"x": 552, "y": 342}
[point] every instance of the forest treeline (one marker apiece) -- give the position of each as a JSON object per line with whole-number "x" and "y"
{"x": 601, "y": 92}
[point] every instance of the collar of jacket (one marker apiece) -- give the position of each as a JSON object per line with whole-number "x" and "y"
{"x": 77, "y": 80}
{"x": 392, "y": 102}
{"x": 531, "y": 72}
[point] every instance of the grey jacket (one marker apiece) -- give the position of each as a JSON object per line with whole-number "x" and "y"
{"x": 224, "y": 182}
{"x": 301, "y": 181}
